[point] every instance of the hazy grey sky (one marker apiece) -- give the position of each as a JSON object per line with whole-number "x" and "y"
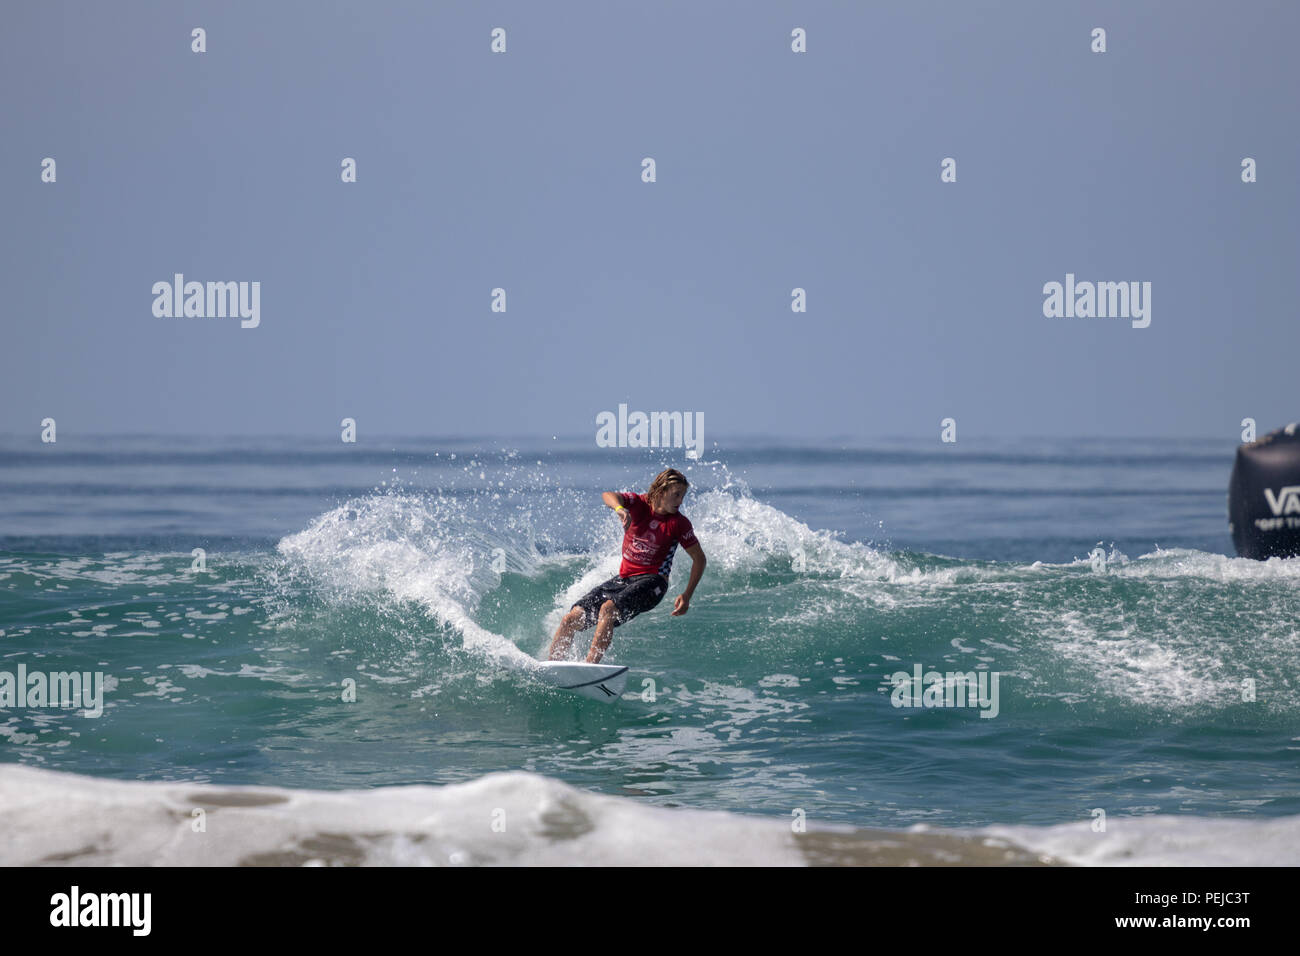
{"x": 775, "y": 170}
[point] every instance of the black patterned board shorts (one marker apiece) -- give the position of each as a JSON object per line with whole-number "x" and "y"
{"x": 631, "y": 596}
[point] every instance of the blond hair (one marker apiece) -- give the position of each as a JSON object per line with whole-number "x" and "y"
{"x": 663, "y": 481}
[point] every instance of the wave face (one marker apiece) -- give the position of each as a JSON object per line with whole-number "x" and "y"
{"x": 384, "y": 642}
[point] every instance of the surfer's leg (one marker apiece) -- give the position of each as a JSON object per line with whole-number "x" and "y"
{"x": 581, "y": 616}
{"x": 631, "y": 597}
{"x": 604, "y": 632}
{"x": 575, "y": 620}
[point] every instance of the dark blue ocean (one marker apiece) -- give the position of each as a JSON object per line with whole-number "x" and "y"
{"x": 350, "y": 624}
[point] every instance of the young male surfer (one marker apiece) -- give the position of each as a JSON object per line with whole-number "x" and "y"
{"x": 653, "y": 527}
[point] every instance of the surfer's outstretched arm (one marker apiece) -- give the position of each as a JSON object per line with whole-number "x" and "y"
{"x": 698, "y": 561}
{"x": 614, "y": 499}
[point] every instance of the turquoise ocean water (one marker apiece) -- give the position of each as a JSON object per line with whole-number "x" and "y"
{"x": 1146, "y": 678}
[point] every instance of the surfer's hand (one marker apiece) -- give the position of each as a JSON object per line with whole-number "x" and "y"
{"x": 623, "y": 516}
{"x": 681, "y": 605}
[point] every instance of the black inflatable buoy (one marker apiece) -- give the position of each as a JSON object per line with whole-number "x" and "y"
{"x": 1264, "y": 496}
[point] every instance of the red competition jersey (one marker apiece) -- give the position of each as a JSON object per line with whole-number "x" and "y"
{"x": 650, "y": 539}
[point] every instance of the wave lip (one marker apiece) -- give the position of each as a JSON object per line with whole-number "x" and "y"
{"x": 412, "y": 550}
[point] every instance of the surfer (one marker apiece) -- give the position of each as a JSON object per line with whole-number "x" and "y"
{"x": 653, "y": 527}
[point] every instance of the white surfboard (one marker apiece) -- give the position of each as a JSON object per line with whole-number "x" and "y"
{"x": 597, "y": 681}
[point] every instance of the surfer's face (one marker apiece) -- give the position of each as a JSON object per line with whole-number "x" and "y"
{"x": 670, "y": 500}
